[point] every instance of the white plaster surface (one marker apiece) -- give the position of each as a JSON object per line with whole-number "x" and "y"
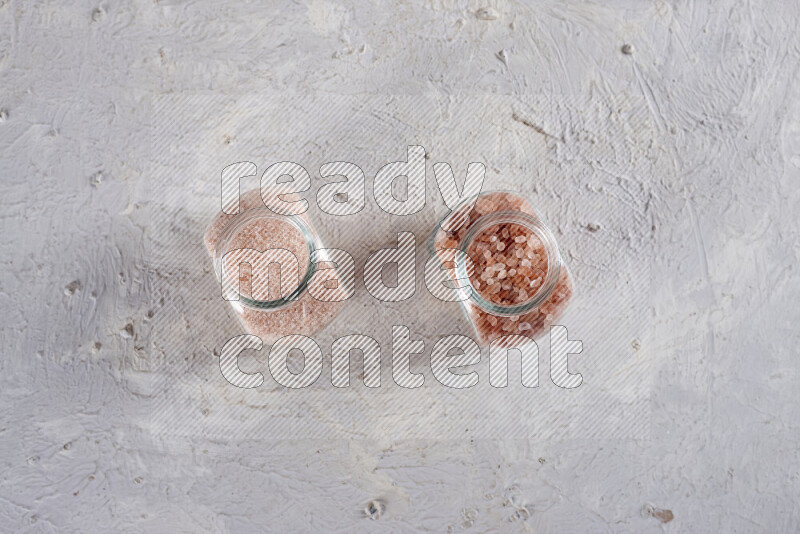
{"x": 82, "y": 442}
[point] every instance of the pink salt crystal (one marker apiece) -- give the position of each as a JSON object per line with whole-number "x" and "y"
{"x": 524, "y": 326}
{"x": 484, "y": 205}
{"x": 501, "y": 246}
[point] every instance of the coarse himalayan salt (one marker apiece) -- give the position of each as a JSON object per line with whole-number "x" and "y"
{"x": 520, "y": 279}
{"x": 519, "y": 253}
{"x": 304, "y": 316}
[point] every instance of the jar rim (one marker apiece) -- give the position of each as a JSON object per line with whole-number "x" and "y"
{"x": 542, "y": 232}
{"x": 235, "y": 225}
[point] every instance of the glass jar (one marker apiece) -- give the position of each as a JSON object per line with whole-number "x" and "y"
{"x": 267, "y": 306}
{"x": 517, "y": 279}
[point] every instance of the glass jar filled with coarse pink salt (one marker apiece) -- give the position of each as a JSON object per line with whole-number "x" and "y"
{"x": 517, "y": 279}
{"x": 273, "y": 270}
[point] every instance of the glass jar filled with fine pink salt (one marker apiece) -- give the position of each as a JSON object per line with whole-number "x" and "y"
{"x": 516, "y": 277}
{"x": 294, "y": 289}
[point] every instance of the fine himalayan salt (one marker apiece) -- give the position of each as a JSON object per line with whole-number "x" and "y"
{"x": 264, "y": 234}
{"x": 304, "y": 316}
{"x": 510, "y": 268}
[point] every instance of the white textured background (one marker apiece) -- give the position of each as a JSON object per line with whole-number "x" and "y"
{"x": 720, "y": 83}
